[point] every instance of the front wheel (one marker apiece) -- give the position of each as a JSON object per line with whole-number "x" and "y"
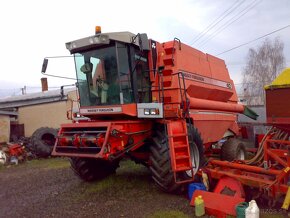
{"x": 89, "y": 169}
{"x": 160, "y": 159}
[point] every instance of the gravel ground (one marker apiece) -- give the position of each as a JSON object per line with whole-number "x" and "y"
{"x": 48, "y": 188}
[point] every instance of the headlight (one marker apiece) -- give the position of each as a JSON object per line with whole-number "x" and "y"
{"x": 146, "y": 111}
{"x": 99, "y": 39}
{"x": 70, "y": 45}
{"x": 151, "y": 111}
{"x": 104, "y": 39}
{"x": 154, "y": 111}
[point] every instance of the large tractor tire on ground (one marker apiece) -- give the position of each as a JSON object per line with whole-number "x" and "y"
{"x": 160, "y": 168}
{"x": 89, "y": 169}
{"x": 43, "y": 140}
{"x": 233, "y": 149}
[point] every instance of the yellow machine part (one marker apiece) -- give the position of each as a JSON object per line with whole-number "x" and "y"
{"x": 283, "y": 80}
{"x": 286, "y": 200}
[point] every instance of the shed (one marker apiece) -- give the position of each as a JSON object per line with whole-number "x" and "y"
{"x": 42, "y": 109}
{"x": 5, "y": 124}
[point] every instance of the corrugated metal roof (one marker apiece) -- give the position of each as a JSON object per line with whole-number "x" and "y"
{"x": 34, "y": 98}
{"x": 10, "y": 113}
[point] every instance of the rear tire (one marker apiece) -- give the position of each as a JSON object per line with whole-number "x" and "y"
{"x": 233, "y": 149}
{"x": 89, "y": 169}
{"x": 160, "y": 168}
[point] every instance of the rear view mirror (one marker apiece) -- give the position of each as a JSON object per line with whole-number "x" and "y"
{"x": 44, "y": 65}
{"x": 54, "y": 65}
{"x": 144, "y": 42}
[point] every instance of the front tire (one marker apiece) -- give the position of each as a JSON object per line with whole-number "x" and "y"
{"x": 160, "y": 168}
{"x": 89, "y": 169}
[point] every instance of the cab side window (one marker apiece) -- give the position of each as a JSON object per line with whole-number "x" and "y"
{"x": 143, "y": 79}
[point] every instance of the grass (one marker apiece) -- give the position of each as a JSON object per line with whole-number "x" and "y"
{"x": 128, "y": 177}
{"x": 2, "y": 167}
{"x": 130, "y": 180}
{"x": 168, "y": 214}
{"x": 50, "y": 163}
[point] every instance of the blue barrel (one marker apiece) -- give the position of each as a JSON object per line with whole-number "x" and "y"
{"x": 195, "y": 186}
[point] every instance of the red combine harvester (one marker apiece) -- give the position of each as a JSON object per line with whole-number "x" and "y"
{"x": 165, "y": 105}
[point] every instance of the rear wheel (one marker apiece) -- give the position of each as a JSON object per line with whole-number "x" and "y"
{"x": 161, "y": 171}
{"x": 233, "y": 149}
{"x": 89, "y": 169}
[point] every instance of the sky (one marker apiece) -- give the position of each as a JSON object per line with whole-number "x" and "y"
{"x": 32, "y": 30}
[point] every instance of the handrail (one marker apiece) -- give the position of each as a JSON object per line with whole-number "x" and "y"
{"x": 173, "y": 47}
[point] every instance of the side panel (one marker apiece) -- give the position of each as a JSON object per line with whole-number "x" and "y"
{"x": 277, "y": 105}
{"x": 213, "y": 125}
{"x": 277, "y": 108}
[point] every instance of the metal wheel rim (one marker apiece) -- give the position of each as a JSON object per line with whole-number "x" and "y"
{"x": 194, "y": 154}
{"x": 241, "y": 155}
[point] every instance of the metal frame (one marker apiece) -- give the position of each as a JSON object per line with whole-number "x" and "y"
{"x": 270, "y": 176}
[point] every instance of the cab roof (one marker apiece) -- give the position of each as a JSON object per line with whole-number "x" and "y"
{"x": 101, "y": 39}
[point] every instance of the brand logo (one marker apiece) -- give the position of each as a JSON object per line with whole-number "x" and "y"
{"x": 101, "y": 110}
{"x": 207, "y": 80}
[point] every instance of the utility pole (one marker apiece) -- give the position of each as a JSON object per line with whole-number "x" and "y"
{"x": 23, "y": 90}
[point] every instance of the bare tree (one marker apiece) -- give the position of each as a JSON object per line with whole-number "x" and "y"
{"x": 263, "y": 65}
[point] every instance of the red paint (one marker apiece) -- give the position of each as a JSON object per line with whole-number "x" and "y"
{"x": 218, "y": 204}
{"x": 16, "y": 150}
{"x": 117, "y": 136}
{"x": 232, "y": 184}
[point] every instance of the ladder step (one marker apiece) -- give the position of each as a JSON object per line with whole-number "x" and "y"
{"x": 168, "y": 61}
{"x": 179, "y": 145}
{"x": 184, "y": 181}
{"x": 180, "y": 157}
{"x": 167, "y": 99}
{"x": 169, "y": 50}
{"x": 179, "y": 169}
{"x": 166, "y": 83}
{"x": 177, "y": 135}
{"x": 168, "y": 45}
{"x": 167, "y": 72}
{"x": 183, "y": 152}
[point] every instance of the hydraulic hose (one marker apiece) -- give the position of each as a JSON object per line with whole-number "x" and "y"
{"x": 276, "y": 134}
{"x": 257, "y": 159}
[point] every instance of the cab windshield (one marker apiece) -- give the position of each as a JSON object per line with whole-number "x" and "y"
{"x": 101, "y": 80}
